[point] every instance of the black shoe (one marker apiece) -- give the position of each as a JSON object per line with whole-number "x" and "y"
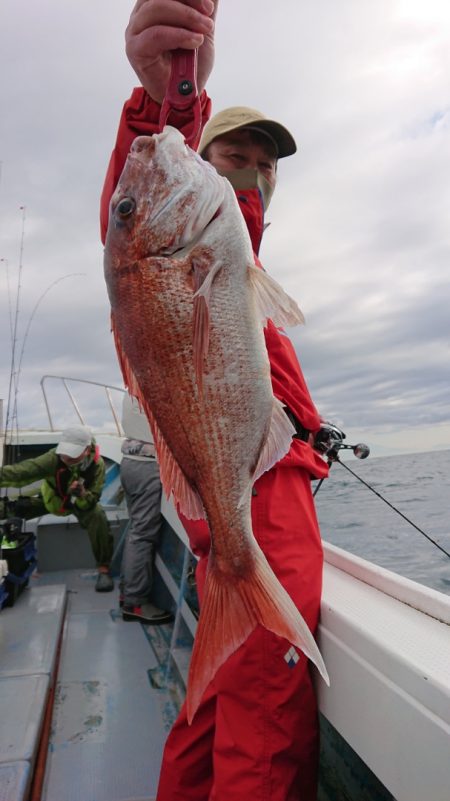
{"x": 104, "y": 583}
{"x": 146, "y": 613}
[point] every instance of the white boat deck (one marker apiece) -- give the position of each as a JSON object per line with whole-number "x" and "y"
{"x": 109, "y": 724}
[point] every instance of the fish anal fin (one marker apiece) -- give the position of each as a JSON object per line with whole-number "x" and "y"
{"x": 174, "y": 481}
{"x": 272, "y": 301}
{"x": 231, "y": 610}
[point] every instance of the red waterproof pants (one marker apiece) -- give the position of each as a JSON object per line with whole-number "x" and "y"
{"x": 255, "y": 734}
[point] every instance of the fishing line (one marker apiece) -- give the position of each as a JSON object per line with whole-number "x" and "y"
{"x": 329, "y": 441}
{"x": 393, "y": 507}
{"x": 31, "y": 318}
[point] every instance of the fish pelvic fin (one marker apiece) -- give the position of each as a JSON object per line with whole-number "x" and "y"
{"x": 278, "y": 442}
{"x": 272, "y": 302}
{"x": 231, "y": 610}
{"x": 276, "y": 446}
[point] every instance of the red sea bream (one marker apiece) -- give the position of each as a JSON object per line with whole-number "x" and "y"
{"x": 188, "y": 310}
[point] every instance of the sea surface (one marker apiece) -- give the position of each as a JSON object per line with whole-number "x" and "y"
{"x": 355, "y": 519}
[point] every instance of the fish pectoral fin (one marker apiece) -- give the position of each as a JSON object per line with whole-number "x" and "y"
{"x": 230, "y": 611}
{"x": 272, "y": 302}
{"x": 278, "y": 442}
{"x": 200, "y": 341}
{"x": 203, "y": 281}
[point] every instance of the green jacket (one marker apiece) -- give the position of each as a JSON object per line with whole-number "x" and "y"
{"x": 56, "y": 479}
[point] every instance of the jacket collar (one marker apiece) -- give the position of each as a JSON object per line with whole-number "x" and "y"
{"x": 251, "y": 205}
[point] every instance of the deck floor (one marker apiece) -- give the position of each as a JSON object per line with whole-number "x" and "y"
{"x": 109, "y": 723}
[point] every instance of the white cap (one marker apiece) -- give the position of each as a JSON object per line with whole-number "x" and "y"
{"x": 74, "y": 441}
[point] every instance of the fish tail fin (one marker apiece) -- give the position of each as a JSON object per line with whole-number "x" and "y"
{"x": 231, "y": 610}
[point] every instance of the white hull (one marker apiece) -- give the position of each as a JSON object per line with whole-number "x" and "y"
{"x": 386, "y": 643}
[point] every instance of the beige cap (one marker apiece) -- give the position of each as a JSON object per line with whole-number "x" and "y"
{"x": 231, "y": 119}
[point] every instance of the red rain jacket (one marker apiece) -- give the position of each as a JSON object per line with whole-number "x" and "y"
{"x": 255, "y": 734}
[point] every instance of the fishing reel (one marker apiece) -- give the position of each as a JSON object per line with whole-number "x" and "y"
{"x": 329, "y": 441}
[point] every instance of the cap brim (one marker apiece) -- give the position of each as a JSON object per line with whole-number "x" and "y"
{"x": 285, "y": 142}
{"x": 70, "y": 449}
{"x": 240, "y": 118}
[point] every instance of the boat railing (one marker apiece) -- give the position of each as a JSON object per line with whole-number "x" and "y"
{"x": 64, "y": 381}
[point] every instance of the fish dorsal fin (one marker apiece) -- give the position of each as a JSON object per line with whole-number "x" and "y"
{"x": 272, "y": 301}
{"x": 173, "y": 479}
{"x": 203, "y": 281}
{"x": 278, "y": 442}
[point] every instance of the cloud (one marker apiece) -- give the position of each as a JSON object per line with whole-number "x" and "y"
{"x": 359, "y": 224}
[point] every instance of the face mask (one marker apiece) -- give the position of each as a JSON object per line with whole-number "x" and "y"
{"x": 249, "y": 178}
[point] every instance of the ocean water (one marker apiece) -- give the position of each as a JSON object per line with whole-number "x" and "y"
{"x": 355, "y": 519}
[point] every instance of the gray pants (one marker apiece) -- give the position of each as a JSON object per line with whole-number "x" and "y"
{"x": 142, "y": 486}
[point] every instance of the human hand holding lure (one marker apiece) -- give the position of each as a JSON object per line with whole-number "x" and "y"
{"x": 159, "y": 27}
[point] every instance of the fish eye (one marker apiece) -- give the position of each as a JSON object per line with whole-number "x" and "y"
{"x": 125, "y": 207}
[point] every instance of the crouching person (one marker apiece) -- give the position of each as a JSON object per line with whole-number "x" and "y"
{"x": 73, "y": 476}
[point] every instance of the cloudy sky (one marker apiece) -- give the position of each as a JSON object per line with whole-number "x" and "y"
{"x": 359, "y": 230}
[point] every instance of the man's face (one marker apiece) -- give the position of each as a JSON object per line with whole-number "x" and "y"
{"x": 245, "y": 148}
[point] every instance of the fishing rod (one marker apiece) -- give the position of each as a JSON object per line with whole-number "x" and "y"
{"x": 8, "y": 286}
{"x": 12, "y": 423}
{"x": 16, "y": 366}
{"x": 329, "y": 441}
{"x": 12, "y": 388}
